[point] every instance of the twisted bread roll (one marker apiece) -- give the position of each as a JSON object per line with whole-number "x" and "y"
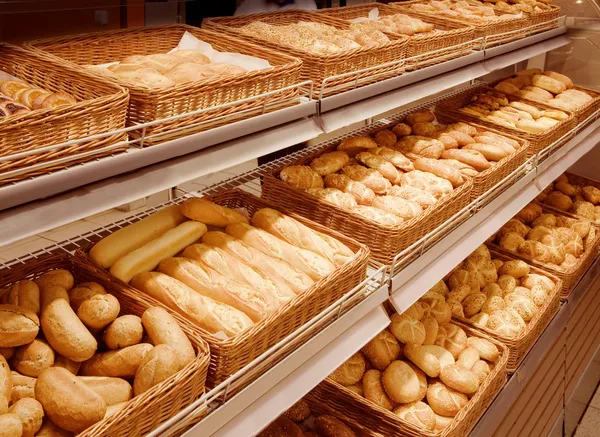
{"x": 299, "y": 235}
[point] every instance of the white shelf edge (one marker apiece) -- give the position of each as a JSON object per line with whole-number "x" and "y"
{"x": 285, "y": 383}
{"x": 25, "y": 220}
{"x": 412, "y": 282}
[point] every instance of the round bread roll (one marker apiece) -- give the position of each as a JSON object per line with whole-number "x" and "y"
{"x": 401, "y": 382}
{"x": 482, "y": 369}
{"x": 422, "y": 380}
{"x": 427, "y": 362}
{"x": 357, "y": 388}
{"x": 531, "y": 280}
{"x": 402, "y": 130}
{"x": 351, "y": 371}
{"x": 497, "y": 263}
{"x": 444, "y": 357}
{"x": 530, "y": 213}
{"x": 487, "y": 350}
{"x": 124, "y": 331}
{"x": 538, "y": 295}
{"x": 457, "y": 309}
{"x": 22, "y": 387}
{"x": 441, "y": 338}
{"x": 507, "y": 283}
{"x": 458, "y": 293}
{"x": 382, "y": 350}
{"x": 385, "y": 138}
{"x": 373, "y": 390}
{"x": 440, "y": 311}
{"x": 459, "y": 378}
{"x": 441, "y": 422}
{"x": 329, "y": 426}
{"x": 480, "y": 319}
{"x": 68, "y": 402}
{"x": 456, "y": 339}
{"x": 407, "y": 329}
{"x": 158, "y": 364}
{"x": 33, "y": 358}
{"x": 49, "y": 429}
{"x": 99, "y": 311}
{"x": 522, "y": 305}
{"x": 121, "y": 363}
{"x": 418, "y": 413}
{"x": 83, "y": 292}
{"x": 113, "y": 390}
{"x": 492, "y": 304}
{"x": 298, "y": 412}
{"x": 17, "y": 326}
{"x": 10, "y": 425}
{"x": 445, "y": 401}
{"x": 511, "y": 241}
{"x": 24, "y": 294}
{"x": 431, "y": 328}
{"x": 468, "y": 358}
{"x": 60, "y": 278}
{"x": 493, "y": 290}
{"x": 282, "y": 427}
{"x": 473, "y": 303}
{"x": 31, "y": 414}
{"x": 415, "y": 311}
{"x": 65, "y": 363}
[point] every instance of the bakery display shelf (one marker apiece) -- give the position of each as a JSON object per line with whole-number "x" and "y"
{"x": 369, "y": 101}
{"x": 310, "y": 354}
{"x": 416, "y": 269}
{"x": 511, "y": 391}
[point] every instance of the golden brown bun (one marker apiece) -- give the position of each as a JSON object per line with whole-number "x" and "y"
{"x": 31, "y": 414}
{"x": 11, "y": 425}
{"x": 328, "y": 163}
{"x": 49, "y": 429}
{"x": 351, "y": 372}
{"x": 401, "y": 382}
{"x": 209, "y": 213}
{"x": 83, "y": 292}
{"x": 473, "y": 158}
{"x": 355, "y": 145}
{"x": 368, "y": 176}
{"x": 162, "y": 328}
{"x": 24, "y": 294}
{"x": 209, "y": 314}
{"x": 99, "y": 311}
{"x": 379, "y": 163}
{"x": 382, "y": 350}
{"x": 65, "y": 363}
{"x": 419, "y": 117}
{"x": 329, "y": 426}
{"x": 33, "y": 358}
{"x": 192, "y": 56}
{"x": 385, "y": 138}
{"x": 157, "y": 365}
{"x": 362, "y": 194}
{"x": 67, "y": 401}
{"x": 59, "y": 277}
{"x": 110, "y": 249}
{"x": 122, "y": 363}
{"x": 298, "y": 412}
{"x": 407, "y": 329}
{"x": 444, "y": 357}
{"x": 373, "y": 390}
{"x": 282, "y": 427}
{"x": 17, "y": 326}
{"x": 444, "y": 400}
{"x": 334, "y": 196}
{"x": 460, "y": 379}
{"x": 418, "y": 413}
{"x": 487, "y": 350}
{"x": 112, "y": 390}
{"x": 124, "y": 331}
{"x": 394, "y": 157}
{"x": 426, "y": 361}
{"x": 22, "y": 387}
{"x": 301, "y": 176}
{"x": 440, "y": 169}
{"x": 405, "y": 209}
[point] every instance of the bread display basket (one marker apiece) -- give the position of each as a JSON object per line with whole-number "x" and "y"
{"x": 579, "y": 182}
{"x": 450, "y": 39}
{"x": 153, "y": 104}
{"x": 230, "y": 354}
{"x": 148, "y": 410}
{"x": 29, "y": 142}
{"x": 332, "y": 72}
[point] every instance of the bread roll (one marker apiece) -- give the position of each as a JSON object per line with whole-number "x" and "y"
{"x": 209, "y": 213}
{"x": 473, "y": 158}
{"x": 22, "y": 387}
{"x": 427, "y": 362}
{"x": 461, "y": 138}
{"x": 67, "y": 401}
{"x": 99, "y": 311}
{"x": 445, "y": 401}
{"x": 156, "y": 366}
{"x": 11, "y": 425}
{"x": 329, "y": 426}
{"x": 162, "y": 328}
{"x": 6, "y": 385}
{"x": 459, "y": 378}
{"x": 31, "y": 414}
{"x": 65, "y": 363}
{"x": 376, "y": 215}
{"x": 456, "y": 339}
{"x": 151, "y": 254}
{"x": 385, "y": 168}
{"x": 362, "y": 194}
{"x": 394, "y": 157}
{"x": 112, "y": 390}
{"x": 371, "y": 178}
{"x": 431, "y": 329}
{"x": 419, "y": 117}
{"x": 421, "y": 197}
{"x": 489, "y": 151}
{"x": 64, "y": 331}
{"x": 83, "y": 292}
{"x": 373, "y": 389}
{"x": 482, "y": 370}
{"x": 301, "y": 176}
{"x": 334, "y": 196}
{"x": 114, "y": 247}
{"x": 7, "y": 352}
{"x": 209, "y": 314}
{"x": 444, "y": 357}
{"x": 515, "y": 268}
{"x": 24, "y": 294}
{"x": 124, "y": 331}
{"x": 401, "y": 382}
{"x": 59, "y": 277}
{"x": 49, "y": 429}
{"x": 487, "y": 350}
{"x": 17, "y": 326}
{"x": 282, "y": 426}
{"x": 407, "y": 329}
{"x": 402, "y": 130}
{"x": 382, "y": 350}
{"x": 418, "y": 413}
{"x": 425, "y": 129}
{"x": 33, "y": 358}
{"x": 355, "y": 145}
{"x": 548, "y": 83}
{"x": 441, "y": 170}
{"x": 351, "y": 372}
{"x": 298, "y": 412}
{"x": 422, "y": 146}
{"x": 122, "y": 363}
{"x": 299, "y": 235}
{"x": 330, "y": 162}
{"x": 307, "y": 261}
{"x": 405, "y": 209}
{"x": 280, "y": 271}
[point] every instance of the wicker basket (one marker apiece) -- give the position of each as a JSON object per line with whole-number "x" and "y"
{"x": 385, "y": 242}
{"x": 518, "y": 347}
{"x": 147, "y": 104}
{"x": 578, "y": 181}
{"x": 100, "y": 108}
{"x": 571, "y": 277}
{"x": 580, "y": 114}
{"x": 317, "y": 67}
{"x": 230, "y": 355}
{"x": 431, "y": 47}
{"x": 503, "y": 29}
{"x": 144, "y": 412}
{"x": 545, "y": 20}
{"x": 449, "y": 109}
{"x": 335, "y": 398}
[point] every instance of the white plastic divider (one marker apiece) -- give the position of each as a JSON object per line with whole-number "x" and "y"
{"x": 414, "y": 279}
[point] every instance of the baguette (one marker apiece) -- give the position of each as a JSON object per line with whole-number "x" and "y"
{"x": 108, "y": 250}
{"x": 277, "y": 269}
{"x": 228, "y": 266}
{"x": 209, "y": 314}
{"x": 151, "y": 254}
{"x": 162, "y": 328}
{"x": 210, "y": 213}
{"x": 209, "y": 283}
{"x": 299, "y": 235}
{"x": 309, "y": 262}
{"x": 112, "y": 390}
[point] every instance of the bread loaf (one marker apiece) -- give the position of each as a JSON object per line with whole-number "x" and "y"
{"x": 444, "y": 400}
{"x": 151, "y": 254}
{"x": 418, "y": 413}
{"x": 17, "y": 326}
{"x": 83, "y": 292}
{"x": 309, "y": 262}
{"x": 67, "y": 401}
{"x": 24, "y": 294}
{"x": 280, "y": 271}
{"x": 301, "y": 176}
{"x": 114, "y": 247}
{"x": 156, "y": 366}
{"x": 440, "y": 169}
{"x": 63, "y": 330}
{"x": 299, "y": 235}
{"x": 329, "y": 163}
{"x": 59, "y": 277}
{"x": 382, "y": 350}
{"x": 351, "y": 372}
{"x": 209, "y": 213}
{"x": 424, "y": 360}
{"x": 121, "y": 363}
{"x": 162, "y": 328}
{"x": 33, "y": 358}
{"x": 373, "y": 389}
{"x": 99, "y": 311}
{"x": 401, "y": 382}
{"x": 209, "y": 314}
